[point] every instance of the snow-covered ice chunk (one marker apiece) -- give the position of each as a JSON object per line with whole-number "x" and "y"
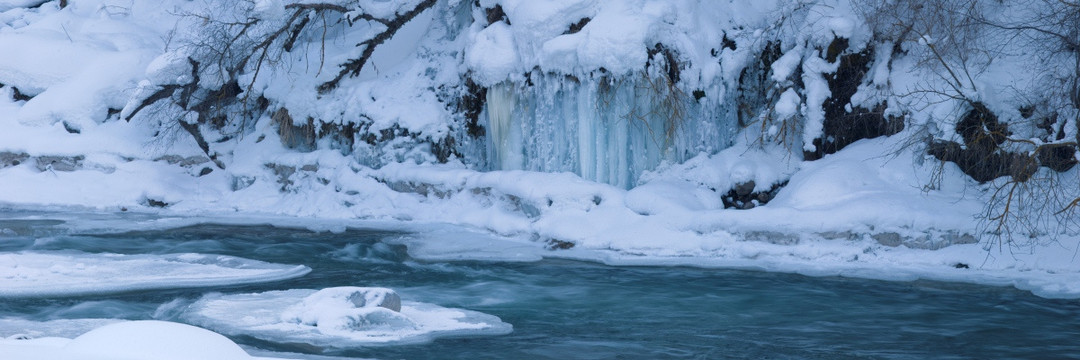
{"x": 32, "y": 274}
{"x": 336, "y": 317}
{"x": 342, "y": 310}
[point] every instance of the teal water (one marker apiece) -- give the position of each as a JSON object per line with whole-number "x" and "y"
{"x": 578, "y": 310}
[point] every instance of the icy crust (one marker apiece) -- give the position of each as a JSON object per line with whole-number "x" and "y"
{"x": 45, "y": 274}
{"x": 333, "y": 318}
{"x": 129, "y": 340}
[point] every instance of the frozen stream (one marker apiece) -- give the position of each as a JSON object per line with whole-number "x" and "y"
{"x": 563, "y": 309}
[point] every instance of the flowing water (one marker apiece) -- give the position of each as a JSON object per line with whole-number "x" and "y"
{"x": 578, "y": 310}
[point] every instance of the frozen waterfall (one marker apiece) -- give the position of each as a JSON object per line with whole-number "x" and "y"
{"x": 606, "y": 130}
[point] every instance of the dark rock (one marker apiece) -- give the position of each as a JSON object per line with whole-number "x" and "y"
{"x": 743, "y": 197}
{"x": 496, "y": 14}
{"x": 982, "y": 158}
{"x": 1022, "y": 166}
{"x": 576, "y": 27}
{"x": 961, "y": 266}
{"x": 727, "y": 43}
{"x": 555, "y": 244}
{"x": 12, "y": 159}
{"x": 71, "y": 129}
{"x": 471, "y": 105}
{"x": 764, "y": 197}
{"x": 18, "y": 95}
{"x": 1057, "y": 157}
{"x": 981, "y": 129}
{"x": 205, "y": 171}
{"x": 757, "y": 90}
{"x": 670, "y": 61}
{"x": 842, "y": 127}
{"x": 156, "y": 203}
{"x": 744, "y": 189}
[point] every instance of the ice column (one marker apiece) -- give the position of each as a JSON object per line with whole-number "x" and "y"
{"x": 505, "y": 134}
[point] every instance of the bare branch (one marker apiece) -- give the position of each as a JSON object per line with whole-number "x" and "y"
{"x": 353, "y": 67}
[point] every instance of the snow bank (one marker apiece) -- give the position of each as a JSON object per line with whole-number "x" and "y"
{"x": 333, "y": 317}
{"x": 45, "y": 274}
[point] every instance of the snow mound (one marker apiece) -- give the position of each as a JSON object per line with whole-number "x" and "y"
{"x": 337, "y": 317}
{"x": 159, "y": 340}
{"x": 130, "y": 340}
{"x": 42, "y": 274}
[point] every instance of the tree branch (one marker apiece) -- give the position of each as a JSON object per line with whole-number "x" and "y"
{"x": 353, "y": 67}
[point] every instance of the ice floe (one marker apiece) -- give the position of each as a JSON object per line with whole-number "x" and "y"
{"x": 40, "y": 274}
{"x": 339, "y": 317}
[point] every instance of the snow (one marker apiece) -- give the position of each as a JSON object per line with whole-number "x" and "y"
{"x": 494, "y": 52}
{"x": 788, "y": 105}
{"x": 50, "y": 274}
{"x": 331, "y": 318}
{"x": 130, "y": 340}
{"x": 783, "y": 67}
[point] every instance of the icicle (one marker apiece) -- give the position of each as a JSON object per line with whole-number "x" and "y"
{"x": 605, "y": 130}
{"x": 586, "y": 131}
{"x": 506, "y": 140}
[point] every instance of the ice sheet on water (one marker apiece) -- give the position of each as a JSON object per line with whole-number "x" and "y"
{"x": 33, "y": 274}
{"x": 334, "y": 317}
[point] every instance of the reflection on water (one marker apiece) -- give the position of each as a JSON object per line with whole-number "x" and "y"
{"x": 565, "y": 309}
